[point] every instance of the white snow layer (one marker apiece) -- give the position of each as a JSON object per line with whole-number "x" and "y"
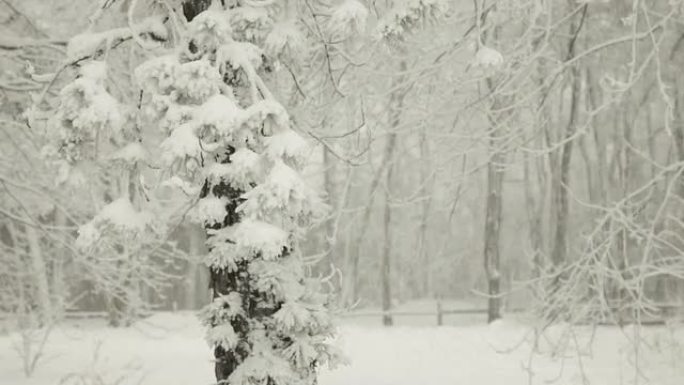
{"x": 170, "y": 349}
{"x": 487, "y": 57}
{"x": 253, "y": 236}
{"x": 131, "y": 153}
{"x": 121, "y": 215}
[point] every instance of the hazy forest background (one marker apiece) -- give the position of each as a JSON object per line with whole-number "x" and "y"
{"x": 524, "y": 153}
{"x": 515, "y": 165}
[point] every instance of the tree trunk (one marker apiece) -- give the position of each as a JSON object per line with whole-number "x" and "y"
{"x": 191, "y": 278}
{"x": 558, "y": 254}
{"x": 494, "y": 200}
{"x": 59, "y": 287}
{"x": 350, "y": 291}
{"x": 395, "y": 107}
{"x": 492, "y": 230}
{"x": 223, "y": 281}
{"x": 534, "y": 219}
{"x": 422, "y": 252}
{"x": 329, "y": 181}
{"x": 385, "y": 263}
{"x": 678, "y": 136}
{"x": 39, "y": 274}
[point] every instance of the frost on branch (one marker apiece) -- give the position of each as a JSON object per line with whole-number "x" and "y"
{"x": 187, "y": 83}
{"x": 222, "y": 251}
{"x": 85, "y": 110}
{"x": 285, "y": 41}
{"x": 123, "y": 216}
{"x": 407, "y": 16}
{"x": 282, "y": 278}
{"x": 85, "y": 101}
{"x": 222, "y": 335}
{"x": 157, "y": 75}
{"x": 266, "y": 111}
{"x": 488, "y": 58}
{"x": 95, "y": 71}
{"x": 196, "y": 81}
{"x": 348, "y": 18}
{"x": 120, "y": 217}
{"x": 243, "y": 55}
{"x": 131, "y": 153}
{"x": 250, "y": 23}
{"x": 263, "y": 366}
{"x": 181, "y": 145}
{"x": 222, "y": 309}
{"x": 87, "y": 44}
{"x": 244, "y": 170}
{"x": 289, "y": 146}
{"x": 211, "y": 210}
{"x": 257, "y": 238}
{"x": 283, "y": 192}
{"x": 292, "y": 315}
{"x": 220, "y": 113}
{"x": 210, "y": 29}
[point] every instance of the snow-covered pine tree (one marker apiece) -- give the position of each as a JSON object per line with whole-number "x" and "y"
{"x": 230, "y": 141}
{"x": 220, "y": 136}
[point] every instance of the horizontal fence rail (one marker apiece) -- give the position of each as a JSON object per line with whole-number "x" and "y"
{"x": 665, "y": 309}
{"x": 439, "y": 313}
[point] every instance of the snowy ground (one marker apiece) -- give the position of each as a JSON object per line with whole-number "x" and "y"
{"x": 169, "y": 349}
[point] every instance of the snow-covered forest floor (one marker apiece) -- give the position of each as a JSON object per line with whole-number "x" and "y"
{"x": 169, "y": 349}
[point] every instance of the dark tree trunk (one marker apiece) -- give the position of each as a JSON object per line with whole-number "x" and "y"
{"x": 492, "y": 231}
{"x": 386, "y": 262}
{"x": 426, "y": 183}
{"x": 396, "y": 105}
{"x": 221, "y": 281}
{"x": 558, "y": 254}
{"x": 329, "y": 241}
{"x": 494, "y": 201}
{"x": 255, "y": 305}
{"x": 192, "y": 8}
{"x": 534, "y": 217}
